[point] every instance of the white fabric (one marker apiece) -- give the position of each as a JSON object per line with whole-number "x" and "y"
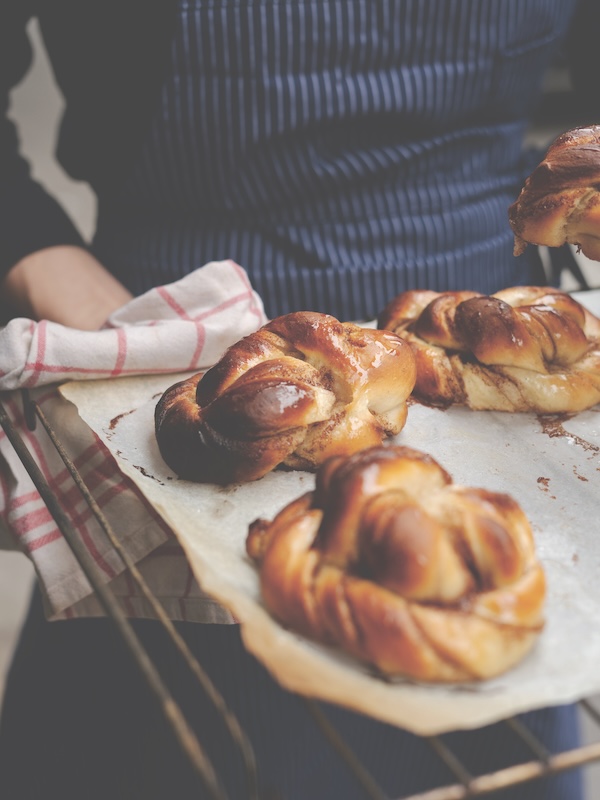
{"x": 186, "y": 325}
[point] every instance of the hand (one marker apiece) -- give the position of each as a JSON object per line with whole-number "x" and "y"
{"x": 63, "y": 284}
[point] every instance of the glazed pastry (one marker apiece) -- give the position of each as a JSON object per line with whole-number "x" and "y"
{"x": 526, "y": 348}
{"x": 302, "y": 388}
{"x": 560, "y": 201}
{"x": 392, "y": 562}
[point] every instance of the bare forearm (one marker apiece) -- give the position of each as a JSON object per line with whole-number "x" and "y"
{"x": 63, "y": 284}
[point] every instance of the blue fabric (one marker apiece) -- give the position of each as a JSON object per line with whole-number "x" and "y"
{"x": 340, "y": 151}
{"x": 80, "y": 723}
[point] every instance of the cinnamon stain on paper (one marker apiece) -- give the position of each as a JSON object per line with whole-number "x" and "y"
{"x": 110, "y": 433}
{"x": 578, "y": 476}
{"x": 544, "y": 484}
{"x": 147, "y": 474}
{"x": 115, "y": 421}
{"x": 552, "y": 426}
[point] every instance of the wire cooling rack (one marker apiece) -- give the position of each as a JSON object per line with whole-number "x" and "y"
{"x": 541, "y": 763}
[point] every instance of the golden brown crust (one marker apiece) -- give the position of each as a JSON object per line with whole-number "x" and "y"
{"x": 391, "y": 561}
{"x": 560, "y": 200}
{"x": 526, "y": 348}
{"x": 300, "y": 389}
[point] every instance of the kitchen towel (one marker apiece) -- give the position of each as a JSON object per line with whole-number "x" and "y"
{"x": 186, "y": 325}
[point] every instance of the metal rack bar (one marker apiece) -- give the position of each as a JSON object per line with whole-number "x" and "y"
{"x": 231, "y": 722}
{"x": 467, "y": 785}
{"x": 451, "y": 761}
{"x": 511, "y": 776}
{"x": 526, "y": 736}
{"x": 591, "y": 711}
{"x": 366, "y": 780}
{"x": 171, "y": 710}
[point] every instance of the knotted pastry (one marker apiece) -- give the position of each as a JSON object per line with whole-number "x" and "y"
{"x": 302, "y": 388}
{"x": 391, "y": 561}
{"x": 526, "y": 348}
{"x": 560, "y": 201}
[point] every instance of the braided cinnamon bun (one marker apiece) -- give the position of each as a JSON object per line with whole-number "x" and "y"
{"x": 391, "y": 561}
{"x": 300, "y": 389}
{"x": 526, "y": 348}
{"x": 560, "y": 200}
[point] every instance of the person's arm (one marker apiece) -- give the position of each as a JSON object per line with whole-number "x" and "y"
{"x": 45, "y": 269}
{"x": 64, "y": 284}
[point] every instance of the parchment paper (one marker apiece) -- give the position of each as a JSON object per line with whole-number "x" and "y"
{"x": 550, "y": 465}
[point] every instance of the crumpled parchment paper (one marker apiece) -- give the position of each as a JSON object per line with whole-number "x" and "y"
{"x": 550, "y": 465}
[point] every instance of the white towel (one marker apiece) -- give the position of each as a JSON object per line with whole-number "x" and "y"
{"x": 186, "y": 325}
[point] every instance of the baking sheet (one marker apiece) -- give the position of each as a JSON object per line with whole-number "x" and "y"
{"x": 549, "y": 464}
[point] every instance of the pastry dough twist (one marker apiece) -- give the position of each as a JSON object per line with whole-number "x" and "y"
{"x": 526, "y": 348}
{"x": 560, "y": 201}
{"x": 300, "y": 389}
{"x": 391, "y": 561}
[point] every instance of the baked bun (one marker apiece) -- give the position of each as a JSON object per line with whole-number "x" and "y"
{"x": 560, "y": 201}
{"x": 302, "y": 388}
{"x": 391, "y": 561}
{"x": 527, "y": 348}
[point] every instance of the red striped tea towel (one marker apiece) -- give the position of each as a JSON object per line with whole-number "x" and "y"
{"x": 186, "y": 325}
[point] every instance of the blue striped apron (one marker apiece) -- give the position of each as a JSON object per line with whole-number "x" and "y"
{"x": 339, "y": 151}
